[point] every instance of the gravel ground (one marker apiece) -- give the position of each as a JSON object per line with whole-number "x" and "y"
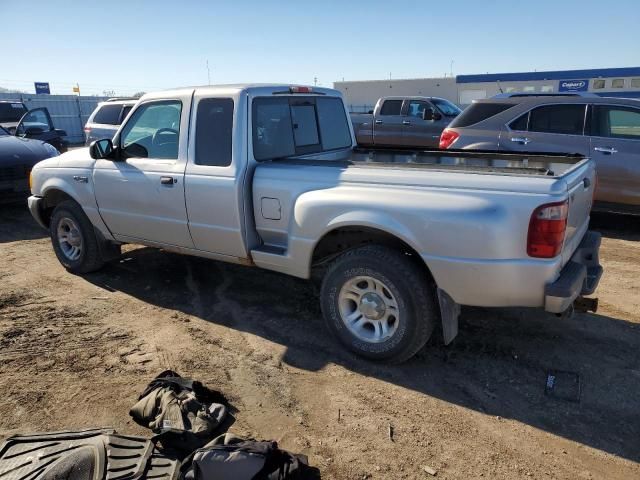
{"x": 75, "y": 351}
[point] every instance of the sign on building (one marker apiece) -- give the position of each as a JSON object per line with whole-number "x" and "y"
{"x": 42, "y": 87}
{"x": 573, "y": 85}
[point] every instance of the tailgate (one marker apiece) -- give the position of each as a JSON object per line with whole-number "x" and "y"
{"x": 581, "y": 183}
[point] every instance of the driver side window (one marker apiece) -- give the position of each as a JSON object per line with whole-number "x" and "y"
{"x": 153, "y": 131}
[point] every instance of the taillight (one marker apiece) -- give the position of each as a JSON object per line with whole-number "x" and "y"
{"x": 300, "y": 89}
{"x": 447, "y": 137}
{"x": 546, "y": 230}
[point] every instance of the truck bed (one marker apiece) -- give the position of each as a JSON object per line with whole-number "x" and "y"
{"x": 484, "y": 162}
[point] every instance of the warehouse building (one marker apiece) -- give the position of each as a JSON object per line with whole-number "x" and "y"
{"x": 609, "y": 82}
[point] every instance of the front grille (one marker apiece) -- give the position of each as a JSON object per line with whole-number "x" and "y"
{"x": 18, "y": 172}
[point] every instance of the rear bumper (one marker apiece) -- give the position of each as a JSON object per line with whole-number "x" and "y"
{"x": 35, "y": 207}
{"x": 580, "y": 276}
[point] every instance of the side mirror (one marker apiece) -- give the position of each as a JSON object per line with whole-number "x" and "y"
{"x": 101, "y": 148}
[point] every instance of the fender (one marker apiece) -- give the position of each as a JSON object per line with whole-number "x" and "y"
{"x": 82, "y": 193}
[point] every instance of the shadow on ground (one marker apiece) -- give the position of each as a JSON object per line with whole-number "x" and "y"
{"x": 498, "y": 364}
{"x": 17, "y": 224}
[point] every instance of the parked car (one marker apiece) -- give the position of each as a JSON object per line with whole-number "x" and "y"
{"x": 267, "y": 176}
{"x": 17, "y": 158}
{"x": 36, "y": 124}
{"x": 606, "y": 129}
{"x": 412, "y": 122}
{"x": 106, "y": 118}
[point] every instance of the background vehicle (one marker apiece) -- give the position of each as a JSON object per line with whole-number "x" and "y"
{"x": 404, "y": 122}
{"x": 17, "y": 157}
{"x": 606, "y": 129}
{"x": 267, "y": 176}
{"x": 106, "y": 118}
{"x": 36, "y": 124}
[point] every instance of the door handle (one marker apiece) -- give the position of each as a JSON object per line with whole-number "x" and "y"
{"x": 522, "y": 140}
{"x": 378, "y": 122}
{"x": 406, "y": 122}
{"x": 168, "y": 180}
{"x": 607, "y": 150}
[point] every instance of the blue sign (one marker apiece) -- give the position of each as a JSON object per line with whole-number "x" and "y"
{"x": 42, "y": 87}
{"x": 573, "y": 85}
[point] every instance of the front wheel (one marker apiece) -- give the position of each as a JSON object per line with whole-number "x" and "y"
{"x": 74, "y": 239}
{"x": 379, "y": 303}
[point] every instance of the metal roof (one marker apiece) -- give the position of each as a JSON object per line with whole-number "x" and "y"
{"x": 550, "y": 75}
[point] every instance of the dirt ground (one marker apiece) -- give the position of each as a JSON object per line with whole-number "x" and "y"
{"x": 76, "y": 351}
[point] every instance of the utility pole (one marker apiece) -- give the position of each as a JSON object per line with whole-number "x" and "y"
{"x": 208, "y": 74}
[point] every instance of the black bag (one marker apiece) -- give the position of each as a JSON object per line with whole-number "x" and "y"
{"x": 230, "y": 457}
{"x": 183, "y": 413}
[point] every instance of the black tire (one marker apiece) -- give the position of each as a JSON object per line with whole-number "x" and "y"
{"x": 407, "y": 283}
{"x": 89, "y": 258}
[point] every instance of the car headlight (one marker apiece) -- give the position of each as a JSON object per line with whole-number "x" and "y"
{"x": 51, "y": 150}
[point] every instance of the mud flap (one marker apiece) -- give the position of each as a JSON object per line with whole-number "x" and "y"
{"x": 96, "y": 454}
{"x": 449, "y": 311}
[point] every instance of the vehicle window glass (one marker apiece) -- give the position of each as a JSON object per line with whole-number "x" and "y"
{"x": 214, "y": 124}
{"x": 564, "y": 119}
{"x": 478, "y": 112}
{"x": 125, "y": 111}
{"x": 416, "y": 108}
{"x": 520, "y": 123}
{"x": 12, "y": 112}
{"x": 153, "y": 131}
{"x": 272, "y": 130}
{"x": 305, "y": 126}
{"x": 34, "y": 122}
{"x": 391, "y": 107}
{"x": 618, "y": 122}
{"x": 3, "y": 132}
{"x": 283, "y": 127}
{"x": 333, "y": 123}
{"x": 447, "y": 108}
{"x": 108, "y": 114}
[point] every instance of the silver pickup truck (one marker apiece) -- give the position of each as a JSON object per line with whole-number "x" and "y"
{"x": 268, "y": 176}
{"x": 414, "y": 122}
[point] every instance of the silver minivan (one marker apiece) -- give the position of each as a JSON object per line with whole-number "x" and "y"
{"x": 607, "y": 129}
{"x": 105, "y": 120}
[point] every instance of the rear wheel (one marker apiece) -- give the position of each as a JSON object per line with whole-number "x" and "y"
{"x": 74, "y": 239}
{"x": 378, "y": 303}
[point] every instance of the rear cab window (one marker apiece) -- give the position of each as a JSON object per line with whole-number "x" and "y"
{"x": 288, "y": 126}
{"x": 214, "y": 127}
{"x": 108, "y": 114}
{"x": 479, "y": 112}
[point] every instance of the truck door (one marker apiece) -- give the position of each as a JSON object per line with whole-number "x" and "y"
{"x": 214, "y": 180}
{"x": 615, "y": 147}
{"x": 555, "y": 128}
{"x": 417, "y": 131}
{"x": 141, "y": 194}
{"x": 37, "y": 124}
{"x": 388, "y": 124}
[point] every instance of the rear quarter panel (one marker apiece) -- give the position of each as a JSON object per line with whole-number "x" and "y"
{"x": 470, "y": 229}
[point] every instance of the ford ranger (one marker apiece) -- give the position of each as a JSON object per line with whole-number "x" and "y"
{"x": 268, "y": 176}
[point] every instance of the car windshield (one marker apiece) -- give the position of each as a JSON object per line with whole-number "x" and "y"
{"x": 3, "y": 132}
{"x": 11, "y": 112}
{"x": 447, "y": 108}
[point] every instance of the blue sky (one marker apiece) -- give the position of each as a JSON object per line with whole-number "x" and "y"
{"x": 132, "y": 45}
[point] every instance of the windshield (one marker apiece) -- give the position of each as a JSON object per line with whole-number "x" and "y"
{"x": 3, "y": 132}
{"x": 287, "y": 126}
{"x": 447, "y": 108}
{"x": 12, "y": 112}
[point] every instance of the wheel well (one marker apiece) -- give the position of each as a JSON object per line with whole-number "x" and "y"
{"x": 51, "y": 199}
{"x": 345, "y": 238}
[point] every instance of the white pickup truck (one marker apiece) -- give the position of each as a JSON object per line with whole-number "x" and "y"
{"x": 268, "y": 176}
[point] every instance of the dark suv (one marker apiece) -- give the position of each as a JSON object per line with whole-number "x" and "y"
{"x": 606, "y": 129}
